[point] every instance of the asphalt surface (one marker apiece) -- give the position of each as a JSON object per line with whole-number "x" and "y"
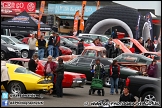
{"x": 71, "y": 98}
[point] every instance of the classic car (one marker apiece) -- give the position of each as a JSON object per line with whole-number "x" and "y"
{"x": 82, "y": 64}
{"x": 9, "y": 51}
{"x": 24, "y": 48}
{"x": 153, "y": 55}
{"x": 71, "y": 80}
{"x": 65, "y": 42}
{"x": 136, "y": 58}
{"x": 63, "y": 50}
{"x": 90, "y": 51}
{"x": 75, "y": 40}
{"x": 22, "y": 80}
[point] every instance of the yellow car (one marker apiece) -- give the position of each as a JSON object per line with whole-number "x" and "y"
{"x": 22, "y": 80}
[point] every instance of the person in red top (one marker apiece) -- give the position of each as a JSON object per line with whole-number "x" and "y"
{"x": 114, "y": 76}
{"x": 49, "y": 70}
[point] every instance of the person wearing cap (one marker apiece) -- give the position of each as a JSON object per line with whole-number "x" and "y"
{"x": 114, "y": 74}
{"x": 49, "y": 70}
{"x": 41, "y": 47}
{"x": 51, "y": 44}
{"x": 152, "y": 69}
{"x": 56, "y": 45}
{"x": 98, "y": 71}
{"x": 80, "y": 46}
{"x": 60, "y": 76}
{"x": 32, "y": 45}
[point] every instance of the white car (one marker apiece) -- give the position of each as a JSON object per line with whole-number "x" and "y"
{"x": 24, "y": 48}
{"x": 103, "y": 38}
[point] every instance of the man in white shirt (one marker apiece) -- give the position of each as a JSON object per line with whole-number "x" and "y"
{"x": 32, "y": 45}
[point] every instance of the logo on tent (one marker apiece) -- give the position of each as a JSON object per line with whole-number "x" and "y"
{"x": 21, "y": 18}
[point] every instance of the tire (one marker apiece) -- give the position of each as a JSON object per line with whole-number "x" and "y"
{"x": 103, "y": 92}
{"x": 107, "y": 82}
{"x": 16, "y": 85}
{"x": 24, "y": 54}
{"x": 152, "y": 95}
{"x": 90, "y": 91}
{"x": 3, "y": 55}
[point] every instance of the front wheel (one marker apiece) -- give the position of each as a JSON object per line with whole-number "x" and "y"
{"x": 16, "y": 87}
{"x": 149, "y": 96}
{"x": 3, "y": 55}
{"x": 24, "y": 54}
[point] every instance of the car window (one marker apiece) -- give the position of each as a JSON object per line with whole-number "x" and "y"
{"x": 142, "y": 61}
{"x": 16, "y": 40}
{"x": 73, "y": 40}
{"x": 87, "y": 40}
{"x": 65, "y": 40}
{"x": 104, "y": 39}
{"x": 90, "y": 53}
{"x": 21, "y": 70}
{"x": 3, "y": 42}
{"x": 84, "y": 61}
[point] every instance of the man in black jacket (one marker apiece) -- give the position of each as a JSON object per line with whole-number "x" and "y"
{"x": 32, "y": 64}
{"x": 80, "y": 46}
{"x": 51, "y": 44}
{"x": 41, "y": 47}
{"x": 60, "y": 76}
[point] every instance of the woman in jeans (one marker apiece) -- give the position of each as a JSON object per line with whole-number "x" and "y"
{"x": 114, "y": 76}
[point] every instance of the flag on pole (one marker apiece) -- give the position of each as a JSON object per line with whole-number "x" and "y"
{"x": 149, "y": 21}
{"x": 81, "y": 28}
{"x": 137, "y": 27}
{"x": 75, "y": 27}
{"x": 98, "y": 5}
{"x": 41, "y": 11}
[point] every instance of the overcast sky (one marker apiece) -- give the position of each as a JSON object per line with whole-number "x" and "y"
{"x": 143, "y": 5}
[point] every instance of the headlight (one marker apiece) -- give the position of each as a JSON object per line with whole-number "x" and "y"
{"x": 10, "y": 49}
{"x": 44, "y": 82}
{"x": 37, "y": 48}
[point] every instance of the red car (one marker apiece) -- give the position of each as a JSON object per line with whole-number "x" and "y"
{"x": 64, "y": 50}
{"x": 71, "y": 80}
{"x": 75, "y": 40}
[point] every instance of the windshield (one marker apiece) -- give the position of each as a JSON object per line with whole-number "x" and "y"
{"x": 126, "y": 58}
{"x": 3, "y": 42}
{"x": 66, "y": 40}
{"x": 16, "y": 40}
{"x": 25, "y": 71}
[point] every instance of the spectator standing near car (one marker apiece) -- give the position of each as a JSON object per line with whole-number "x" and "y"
{"x": 109, "y": 49}
{"x": 150, "y": 46}
{"x": 41, "y": 47}
{"x": 114, "y": 76}
{"x": 80, "y": 46}
{"x": 5, "y": 78}
{"x": 98, "y": 70}
{"x": 32, "y": 45}
{"x": 56, "y": 45}
{"x": 115, "y": 34}
{"x": 59, "y": 78}
{"x": 94, "y": 43}
{"x": 33, "y": 62}
{"x": 51, "y": 44}
{"x": 127, "y": 96}
{"x": 117, "y": 51}
{"x": 49, "y": 70}
{"x": 152, "y": 69}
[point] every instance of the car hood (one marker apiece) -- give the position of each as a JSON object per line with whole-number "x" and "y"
{"x": 24, "y": 46}
{"x": 11, "y": 46}
{"x": 76, "y": 75}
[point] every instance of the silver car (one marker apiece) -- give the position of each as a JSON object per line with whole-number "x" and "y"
{"x": 24, "y": 48}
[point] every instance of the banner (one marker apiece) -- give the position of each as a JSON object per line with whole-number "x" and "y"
{"x": 82, "y": 15}
{"x": 19, "y": 6}
{"x": 41, "y": 11}
{"x": 75, "y": 26}
{"x": 98, "y": 5}
{"x": 149, "y": 21}
{"x": 137, "y": 27}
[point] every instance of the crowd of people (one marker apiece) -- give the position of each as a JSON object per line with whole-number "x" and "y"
{"x": 53, "y": 45}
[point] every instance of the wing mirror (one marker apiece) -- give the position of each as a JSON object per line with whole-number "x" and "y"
{"x": 64, "y": 43}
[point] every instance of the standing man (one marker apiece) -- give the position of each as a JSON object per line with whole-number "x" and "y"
{"x": 115, "y": 36}
{"x": 41, "y": 47}
{"x": 33, "y": 62}
{"x": 51, "y": 44}
{"x": 56, "y": 45}
{"x": 60, "y": 76}
{"x": 32, "y": 45}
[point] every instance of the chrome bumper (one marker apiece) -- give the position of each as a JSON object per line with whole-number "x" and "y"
{"x": 78, "y": 83}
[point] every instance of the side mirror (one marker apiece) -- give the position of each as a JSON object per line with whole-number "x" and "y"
{"x": 157, "y": 58}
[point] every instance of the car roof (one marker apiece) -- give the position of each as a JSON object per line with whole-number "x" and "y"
{"x": 136, "y": 55}
{"x": 5, "y": 36}
{"x": 85, "y": 37}
{"x": 98, "y": 48}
